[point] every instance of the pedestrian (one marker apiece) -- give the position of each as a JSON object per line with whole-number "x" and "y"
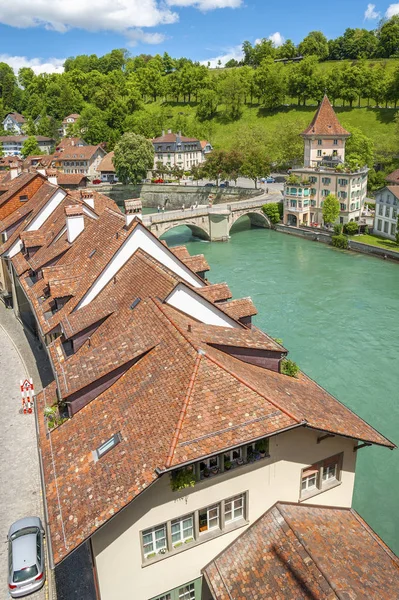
{"x": 159, "y": 208}
{"x": 163, "y": 209}
{"x": 267, "y": 190}
{"x": 183, "y": 207}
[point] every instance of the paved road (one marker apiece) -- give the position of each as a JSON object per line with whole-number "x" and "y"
{"x": 20, "y": 490}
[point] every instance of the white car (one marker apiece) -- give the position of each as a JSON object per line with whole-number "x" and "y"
{"x": 26, "y": 571}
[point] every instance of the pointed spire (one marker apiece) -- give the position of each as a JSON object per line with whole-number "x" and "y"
{"x": 325, "y": 122}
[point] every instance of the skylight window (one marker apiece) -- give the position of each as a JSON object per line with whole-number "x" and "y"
{"x": 92, "y": 253}
{"x": 107, "y": 446}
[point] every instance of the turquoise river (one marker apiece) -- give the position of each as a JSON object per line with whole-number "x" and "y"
{"x": 337, "y": 313}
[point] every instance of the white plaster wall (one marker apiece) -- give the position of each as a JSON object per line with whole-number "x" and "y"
{"x": 117, "y": 548}
{"x": 190, "y": 303}
{"x": 140, "y": 238}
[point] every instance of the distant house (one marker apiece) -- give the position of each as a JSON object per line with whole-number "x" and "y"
{"x": 72, "y": 181}
{"x": 69, "y": 120}
{"x": 206, "y": 147}
{"x": 12, "y": 144}
{"x": 14, "y": 123}
{"x": 386, "y": 211}
{"x": 84, "y": 160}
{"x": 107, "y": 169}
{"x": 174, "y": 149}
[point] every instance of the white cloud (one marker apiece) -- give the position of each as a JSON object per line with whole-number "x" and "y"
{"x": 235, "y": 52}
{"x": 134, "y": 36}
{"x": 39, "y": 65}
{"x": 205, "y": 5}
{"x": 277, "y": 39}
{"x": 104, "y": 15}
{"x": 393, "y": 9}
{"x": 370, "y": 13}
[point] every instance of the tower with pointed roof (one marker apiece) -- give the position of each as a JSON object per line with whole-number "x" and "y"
{"x": 325, "y": 136}
{"x": 324, "y": 172}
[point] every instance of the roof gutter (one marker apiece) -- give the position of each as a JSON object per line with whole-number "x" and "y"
{"x": 351, "y": 437}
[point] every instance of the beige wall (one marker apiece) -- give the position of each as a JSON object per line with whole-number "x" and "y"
{"x": 117, "y": 547}
{"x": 327, "y": 148}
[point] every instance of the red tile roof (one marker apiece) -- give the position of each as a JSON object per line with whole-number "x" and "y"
{"x": 172, "y": 137}
{"x": 305, "y": 552}
{"x": 107, "y": 165}
{"x": 325, "y": 122}
{"x": 78, "y": 153}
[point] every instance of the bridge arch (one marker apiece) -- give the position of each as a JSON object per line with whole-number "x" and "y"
{"x": 257, "y": 218}
{"x": 196, "y": 230}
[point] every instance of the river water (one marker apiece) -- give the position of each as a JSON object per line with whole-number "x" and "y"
{"x": 337, "y": 313}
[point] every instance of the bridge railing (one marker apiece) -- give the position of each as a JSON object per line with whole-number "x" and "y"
{"x": 200, "y": 211}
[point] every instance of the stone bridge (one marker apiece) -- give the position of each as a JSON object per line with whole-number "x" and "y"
{"x": 210, "y": 222}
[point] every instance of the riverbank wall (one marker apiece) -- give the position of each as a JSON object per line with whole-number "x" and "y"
{"x": 174, "y": 196}
{"x": 325, "y": 238}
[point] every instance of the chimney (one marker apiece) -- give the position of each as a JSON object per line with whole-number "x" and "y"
{"x": 74, "y": 221}
{"x": 163, "y": 132}
{"x": 52, "y": 176}
{"x": 88, "y": 197}
{"x": 169, "y": 131}
{"x": 133, "y": 208}
{"x": 14, "y": 170}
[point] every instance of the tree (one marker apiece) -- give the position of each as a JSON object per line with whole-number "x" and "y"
{"x": 361, "y": 146}
{"x": 177, "y": 172}
{"x": 92, "y": 125}
{"x": 271, "y": 210}
{"x": 207, "y": 105}
{"x": 271, "y": 83}
{"x": 233, "y": 88}
{"x": 30, "y": 147}
{"x": 133, "y": 157}
{"x": 388, "y": 38}
{"x": 330, "y": 209}
{"x": 231, "y": 63}
{"x": 315, "y": 43}
{"x": 287, "y": 50}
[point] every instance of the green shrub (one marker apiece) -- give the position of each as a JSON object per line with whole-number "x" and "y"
{"x": 272, "y": 211}
{"x": 182, "y": 479}
{"x": 338, "y": 228}
{"x": 289, "y": 367}
{"x": 340, "y": 241}
{"x": 351, "y": 228}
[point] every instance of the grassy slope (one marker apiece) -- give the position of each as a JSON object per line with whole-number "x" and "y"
{"x": 378, "y": 124}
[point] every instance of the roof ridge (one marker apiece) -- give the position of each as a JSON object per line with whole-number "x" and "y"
{"x": 308, "y": 552}
{"x": 252, "y": 388}
{"x": 184, "y": 409}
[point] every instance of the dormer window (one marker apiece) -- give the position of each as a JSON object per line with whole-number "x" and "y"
{"x": 23, "y": 198}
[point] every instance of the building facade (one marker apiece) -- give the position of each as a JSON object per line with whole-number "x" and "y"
{"x": 12, "y": 144}
{"x": 14, "y": 123}
{"x": 175, "y": 150}
{"x": 84, "y": 160}
{"x": 324, "y": 173}
{"x": 386, "y": 212}
{"x": 68, "y": 122}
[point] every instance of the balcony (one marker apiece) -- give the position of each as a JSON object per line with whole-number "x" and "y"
{"x": 299, "y": 206}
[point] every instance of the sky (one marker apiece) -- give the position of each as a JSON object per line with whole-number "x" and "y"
{"x": 41, "y": 34}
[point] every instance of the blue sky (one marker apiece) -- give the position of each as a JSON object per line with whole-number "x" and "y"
{"x": 42, "y": 34}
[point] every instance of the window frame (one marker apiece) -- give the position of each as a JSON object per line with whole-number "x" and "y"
{"x": 239, "y": 498}
{"x": 321, "y": 484}
{"x": 182, "y": 539}
{"x": 155, "y": 551}
{"x": 107, "y": 446}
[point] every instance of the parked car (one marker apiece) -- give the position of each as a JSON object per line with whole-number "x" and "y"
{"x": 209, "y": 185}
{"x": 26, "y": 570}
{"x": 96, "y": 181}
{"x": 270, "y": 180}
{"x": 159, "y": 180}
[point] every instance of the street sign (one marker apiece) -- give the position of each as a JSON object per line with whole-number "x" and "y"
{"x": 27, "y": 393}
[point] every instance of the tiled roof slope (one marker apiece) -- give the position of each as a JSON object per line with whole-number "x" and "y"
{"x": 17, "y": 184}
{"x": 107, "y": 163}
{"x": 165, "y": 401}
{"x": 305, "y": 552}
{"x": 325, "y": 122}
{"x": 393, "y": 177}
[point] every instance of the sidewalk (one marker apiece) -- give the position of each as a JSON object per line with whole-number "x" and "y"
{"x": 20, "y": 492}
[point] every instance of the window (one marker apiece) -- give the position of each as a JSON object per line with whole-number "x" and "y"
{"x": 379, "y": 224}
{"x": 326, "y": 180}
{"x": 182, "y": 530}
{"x": 393, "y": 229}
{"x": 386, "y": 225}
{"x": 342, "y": 206}
{"x": 313, "y": 179}
{"x": 387, "y": 210}
{"x": 164, "y": 597}
{"x": 319, "y": 153}
{"x": 154, "y": 541}
{"x": 187, "y": 592}
{"x": 342, "y": 182}
{"x": 23, "y": 198}
{"x": 234, "y": 509}
{"x": 380, "y": 209}
{"x": 312, "y": 191}
{"x": 209, "y": 518}
{"x": 321, "y": 476}
{"x": 209, "y": 465}
{"x": 319, "y": 142}
{"x": 335, "y": 142}
{"x": 309, "y": 479}
{"x": 107, "y": 446}
{"x": 325, "y": 192}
